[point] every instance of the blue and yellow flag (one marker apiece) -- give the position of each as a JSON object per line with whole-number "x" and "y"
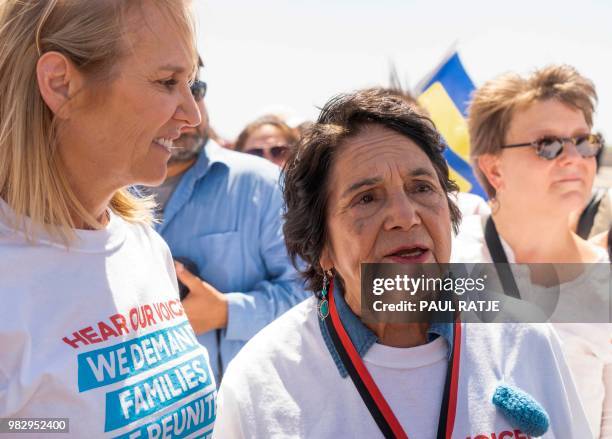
{"x": 445, "y": 94}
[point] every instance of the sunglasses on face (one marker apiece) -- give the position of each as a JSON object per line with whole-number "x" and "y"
{"x": 198, "y": 90}
{"x": 277, "y": 152}
{"x": 550, "y": 147}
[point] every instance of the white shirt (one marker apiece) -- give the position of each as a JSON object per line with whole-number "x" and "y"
{"x": 587, "y": 346}
{"x": 96, "y": 333}
{"x": 413, "y": 380}
{"x": 471, "y": 204}
{"x": 284, "y": 383}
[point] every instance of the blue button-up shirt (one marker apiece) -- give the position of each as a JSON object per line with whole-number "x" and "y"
{"x": 226, "y": 216}
{"x": 363, "y": 338}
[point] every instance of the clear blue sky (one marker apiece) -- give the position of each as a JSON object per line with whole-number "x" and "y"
{"x": 271, "y": 54}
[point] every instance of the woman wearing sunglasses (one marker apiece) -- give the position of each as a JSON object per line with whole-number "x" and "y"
{"x": 534, "y": 152}
{"x": 268, "y": 137}
{"x": 368, "y": 183}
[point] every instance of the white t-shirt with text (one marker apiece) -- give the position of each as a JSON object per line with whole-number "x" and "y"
{"x": 284, "y": 383}
{"x": 96, "y": 333}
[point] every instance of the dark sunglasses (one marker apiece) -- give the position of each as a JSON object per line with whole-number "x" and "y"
{"x": 550, "y": 147}
{"x": 198, "y": 90}
{"x": 277, "y": 152}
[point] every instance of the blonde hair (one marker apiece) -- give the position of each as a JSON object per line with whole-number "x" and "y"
{"x": 494, "y": 104}
{"x": 91, "y": 35}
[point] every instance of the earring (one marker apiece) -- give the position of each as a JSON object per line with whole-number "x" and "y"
{"x": 494, "y": 204}
{"x": 323, "y": 303}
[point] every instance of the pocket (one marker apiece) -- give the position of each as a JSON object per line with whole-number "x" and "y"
{"x": 221, "y": 259}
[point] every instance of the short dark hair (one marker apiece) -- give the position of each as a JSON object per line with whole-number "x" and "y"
{"x": 306, "y": 173}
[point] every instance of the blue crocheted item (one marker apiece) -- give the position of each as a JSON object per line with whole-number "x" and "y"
{"x": 521, "y": 410}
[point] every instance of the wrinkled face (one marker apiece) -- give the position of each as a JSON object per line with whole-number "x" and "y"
{"x": 264, "y": 140}
{"x": 385, "y": 204}
{"x": 546, "y": 187}
{"x": 126, "y": 137}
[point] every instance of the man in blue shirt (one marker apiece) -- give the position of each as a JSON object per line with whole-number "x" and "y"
{"x": 222, "y": 210}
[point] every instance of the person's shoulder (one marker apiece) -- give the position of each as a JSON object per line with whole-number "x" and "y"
{"x": 532, "y": 338}
{"x": 600, "y": 253}
{"x": 471, "y": 228}
{"x": 516, "y": 330}
{"x": 517, "y": 349}
{"x": 244, "y": 166}
{"x": 469, "y": 244}
{"x": 145, "y": 240}
{"x": 471, "y": 204}
{"x": 284, "y": 341}
{"x": 593, "y": 338}
{"x": 10, "y": 238}
{"x": 145, "y": 233}
{"x": 283, "y": 334}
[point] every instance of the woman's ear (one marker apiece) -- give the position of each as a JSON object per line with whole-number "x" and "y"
{"x": 58, "y": 80}
{"x": 325, "y": 260}
{"x": 489, "y": 165}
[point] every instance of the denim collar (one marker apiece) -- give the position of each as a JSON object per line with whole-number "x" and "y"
{"x": 363, "y": 338}
{"x": 211, "y": 153}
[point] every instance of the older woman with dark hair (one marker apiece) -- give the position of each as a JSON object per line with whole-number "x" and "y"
{"x": 368, "y": 183}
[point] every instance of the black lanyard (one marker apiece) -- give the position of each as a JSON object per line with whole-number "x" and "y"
{"x": 498, "y": 255}
{"x": 370, "y": 394}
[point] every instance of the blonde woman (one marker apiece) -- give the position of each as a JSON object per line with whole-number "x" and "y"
{"x": 91, "y": 329}
{"x": 534, "y": 151}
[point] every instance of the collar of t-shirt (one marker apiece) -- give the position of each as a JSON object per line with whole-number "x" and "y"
{"x": 363, "y": 338}
{"x": 105, "y": 240}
